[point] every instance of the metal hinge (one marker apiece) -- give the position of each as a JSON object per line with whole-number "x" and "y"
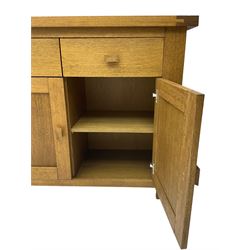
{"x": 152, "y": 165}
{"x": 155, "y": 95}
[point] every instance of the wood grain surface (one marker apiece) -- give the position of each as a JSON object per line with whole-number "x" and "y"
{"x": 76, "y": 105}
{"x": 44, "y": 173}
{"x": 114, "y": 21}
{"x": 111, "y": 168}
{"x": 174, "y": 54}
{"x": 119, "y": 122}
{"x": 119, "y": 93}
{"x": 137, "y": 57}
{"x": 45, "y": 57}
{"x": 94, "y": 121}
{"x": 60, "y": 127}
{"x": 62, "y": 32}
{"x": 176, "y": 139}
{"x": 120, "y": 141}
{"x": 42, "y": 138}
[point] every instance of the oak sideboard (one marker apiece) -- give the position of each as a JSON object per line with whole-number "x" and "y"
{"x": 109, "y": 108}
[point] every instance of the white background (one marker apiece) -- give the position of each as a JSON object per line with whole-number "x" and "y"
{"x": 73, "y": 218}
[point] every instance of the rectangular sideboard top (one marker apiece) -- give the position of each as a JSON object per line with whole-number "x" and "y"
{"x": 114, "y": 21}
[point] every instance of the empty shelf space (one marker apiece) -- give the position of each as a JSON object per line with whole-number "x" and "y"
{"x": 116, "y": 168}
{"x": 117, "y": 122}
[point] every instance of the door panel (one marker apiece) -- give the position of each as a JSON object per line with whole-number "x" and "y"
{"x": 178, "y": 113}
{"x": 50, "y": 156}
{"x": 42, "y": 140}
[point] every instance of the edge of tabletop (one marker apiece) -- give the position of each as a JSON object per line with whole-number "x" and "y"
{"x": 113, "y": 21}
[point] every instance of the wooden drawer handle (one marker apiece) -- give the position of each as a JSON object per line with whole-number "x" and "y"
{"x": 111, "y": 59}
{"x": 59, "y": 133}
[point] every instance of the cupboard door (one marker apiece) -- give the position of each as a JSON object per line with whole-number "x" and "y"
{"x": 178, "y": 112}
{"x": 50, "y": 154}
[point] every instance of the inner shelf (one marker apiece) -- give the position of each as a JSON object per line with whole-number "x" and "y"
{"x": 116, "y": 168}
{"x": 115, "y": 121}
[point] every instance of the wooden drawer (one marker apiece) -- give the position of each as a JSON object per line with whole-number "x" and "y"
{"x": 45, "y": 57}
{"x": 112, "y": 57}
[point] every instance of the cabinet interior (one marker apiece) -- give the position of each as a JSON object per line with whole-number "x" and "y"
{"x": 111, "y": 129}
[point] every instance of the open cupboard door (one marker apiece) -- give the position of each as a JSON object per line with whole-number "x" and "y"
{"x": 178, "y": 112}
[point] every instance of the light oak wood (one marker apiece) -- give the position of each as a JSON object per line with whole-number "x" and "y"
{"x": 170, "y": 121}
{"x": 76, "y": 105}
{"x": 42, "y": 138}
{"x": 94, "y": 94}
{"x": 110, "y": 59}
{"x": 174, "y": 53}
{"x": 176, "y": 136}
{"x": 174, "y": 95}
{"x": 50, "y": 145}
{"x": 39, "y": 86}
{"x": 114, "y": 21}
{"x": 96, "y": 32}
{"x": 111, "y": 168}
{"x": 128, "y": 94}
{"x": 164, "y": 200}
{"x": 189, "y": 159}
{"x": 137, "y": 57}
{"x": 60, "y": 127}
{"x": 126, "y": 166}
{"x": 99, "y": 125}
{"x": 45, "y": 57}
{"x": 119, "y": 122}
{"x": 120, "y": 141}
{"x": 44, "y": 173}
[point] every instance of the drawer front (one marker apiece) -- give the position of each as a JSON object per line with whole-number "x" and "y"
{"x": 45, "y": 59}
{"x": 112, "y": 57}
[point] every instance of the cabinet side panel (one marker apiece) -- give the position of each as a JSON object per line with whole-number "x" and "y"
{"x": 42, "y": 140}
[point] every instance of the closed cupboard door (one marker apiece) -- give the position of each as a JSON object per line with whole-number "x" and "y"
{"x": 50, "y": 155}
{"x": 178, "y": 112}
